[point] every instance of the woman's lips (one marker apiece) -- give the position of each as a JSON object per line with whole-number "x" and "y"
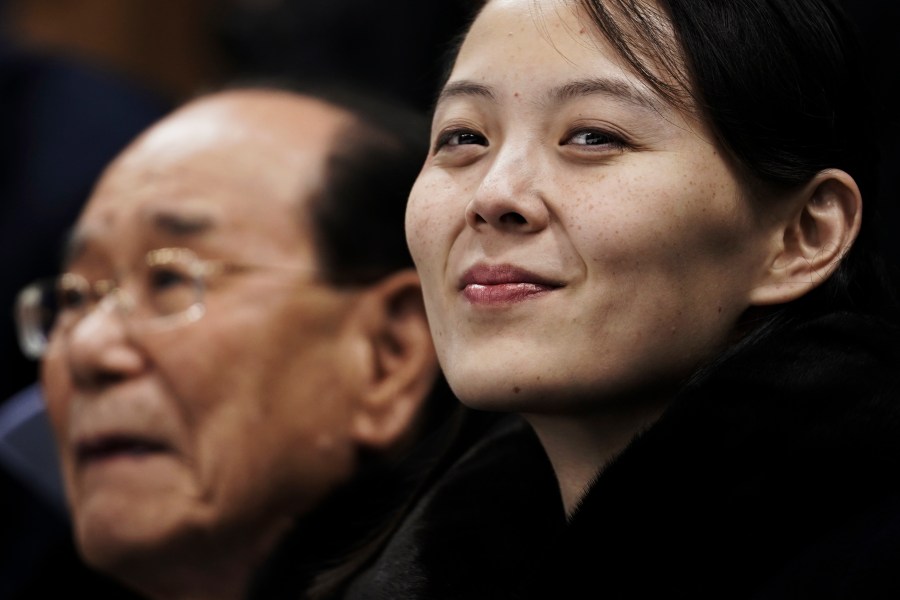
{"x": 503, "y": 284}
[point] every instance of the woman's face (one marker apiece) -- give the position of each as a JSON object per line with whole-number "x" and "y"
{"x": 577, "y": 238}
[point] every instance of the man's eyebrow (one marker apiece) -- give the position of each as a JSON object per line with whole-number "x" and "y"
{"x": 169, "y": 223}
{"x": 464, "y": 87}
{"x": 179, "y": 224}
{"x": 616, "y": 89}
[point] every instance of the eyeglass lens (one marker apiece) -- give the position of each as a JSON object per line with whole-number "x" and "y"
{"x": 169, "y": 284}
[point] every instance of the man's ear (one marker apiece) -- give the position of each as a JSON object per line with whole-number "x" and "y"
{"x": 402, "y": 365}
{"x": 812, "y": 239}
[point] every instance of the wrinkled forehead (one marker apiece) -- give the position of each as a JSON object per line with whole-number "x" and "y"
{"x": 241, "y": 167}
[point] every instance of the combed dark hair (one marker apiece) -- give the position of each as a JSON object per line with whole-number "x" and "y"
{"x": 358, "y": 214}
{"x": 781, "y": 83}
{"x": 357, "y": 222}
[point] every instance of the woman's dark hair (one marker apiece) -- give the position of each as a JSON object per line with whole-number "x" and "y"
{"x": 782, "y": 85}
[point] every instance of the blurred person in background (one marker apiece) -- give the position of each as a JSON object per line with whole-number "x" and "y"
{"x": 78, "y": 80}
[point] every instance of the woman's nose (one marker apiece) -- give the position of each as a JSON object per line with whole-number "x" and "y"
{"x": 509, "y": 198}
{"x": 100, "y": 348}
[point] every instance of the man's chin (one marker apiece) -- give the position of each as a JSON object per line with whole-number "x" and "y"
{"x": 115, "y": 533}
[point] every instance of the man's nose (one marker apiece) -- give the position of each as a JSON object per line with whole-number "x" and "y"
{"x": 100, "y": 347}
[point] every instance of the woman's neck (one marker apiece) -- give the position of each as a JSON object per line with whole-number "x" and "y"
{"x": 580, "y": 446}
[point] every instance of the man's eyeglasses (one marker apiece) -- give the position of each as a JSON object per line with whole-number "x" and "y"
{"x": 168, "y": 291}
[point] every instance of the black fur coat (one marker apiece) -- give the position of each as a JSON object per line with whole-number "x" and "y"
{"x": 480, "y": 519}
{"x": 776, "y": 474}
{"x": 484, "y": 522}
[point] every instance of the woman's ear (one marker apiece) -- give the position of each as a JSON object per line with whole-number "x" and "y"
{"x": 812, "y": 238}
{"x": 402, "y": 365}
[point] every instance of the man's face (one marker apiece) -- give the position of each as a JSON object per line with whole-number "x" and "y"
{"x": 221, "y": 429}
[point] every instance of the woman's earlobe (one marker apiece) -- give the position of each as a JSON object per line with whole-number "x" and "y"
{"x": 813, "y": 238}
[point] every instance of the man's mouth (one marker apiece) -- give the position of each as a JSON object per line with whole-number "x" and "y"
{"x": 117, "y": 446}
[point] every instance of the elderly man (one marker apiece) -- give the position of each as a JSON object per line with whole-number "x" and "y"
{"x": 216, "y": 360}
{"x": 236, "y": 358}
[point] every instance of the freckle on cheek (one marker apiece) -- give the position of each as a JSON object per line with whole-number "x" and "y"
{"x": 516, "y": 390}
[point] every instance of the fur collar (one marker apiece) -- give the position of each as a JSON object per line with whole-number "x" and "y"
{"x": 780, "y": 462}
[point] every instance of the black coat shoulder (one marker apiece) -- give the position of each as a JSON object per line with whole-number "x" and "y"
{"x": 488, "y": 518}
{"x": 451, "y": 522}
{"x": 772, "y": 475}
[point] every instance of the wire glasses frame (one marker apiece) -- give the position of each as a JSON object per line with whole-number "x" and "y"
{"x": 168, "y": 291}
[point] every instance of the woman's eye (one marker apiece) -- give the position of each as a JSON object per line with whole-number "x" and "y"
{"x": 459, "y": 138}
{"x": 593, "y": 137}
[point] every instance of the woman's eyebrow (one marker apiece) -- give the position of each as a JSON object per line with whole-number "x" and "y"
{"x": 464, "y": 88}
{"x": 613, "y": 88}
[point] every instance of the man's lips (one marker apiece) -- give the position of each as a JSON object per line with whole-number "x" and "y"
{"x": 503, "y": 284}
{"x": 106, "y": 447}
